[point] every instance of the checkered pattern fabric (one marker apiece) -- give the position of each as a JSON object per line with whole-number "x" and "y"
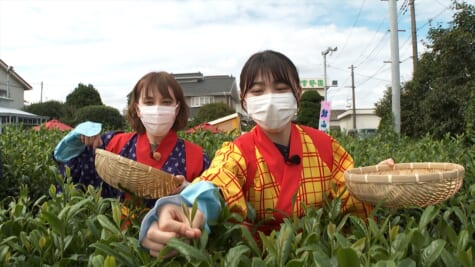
{"x": 228, "y": 171}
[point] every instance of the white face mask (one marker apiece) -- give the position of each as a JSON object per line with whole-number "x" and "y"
{"x": 272, "y": 111}
{"x": 157, "y": 120}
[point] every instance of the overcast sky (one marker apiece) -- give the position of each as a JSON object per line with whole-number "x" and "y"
{"x": 111, "y": 44}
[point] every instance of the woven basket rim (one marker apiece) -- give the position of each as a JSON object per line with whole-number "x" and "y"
{"x": 130, "y": 175}
{"x": 441, "y": 171}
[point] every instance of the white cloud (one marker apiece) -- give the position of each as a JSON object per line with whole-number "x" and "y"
{"x": 111, "y": 44}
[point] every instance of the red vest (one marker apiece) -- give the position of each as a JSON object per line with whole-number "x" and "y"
{"x": 193, "y": 154}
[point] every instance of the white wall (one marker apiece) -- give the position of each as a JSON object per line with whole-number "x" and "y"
{"x": 365, "y": 118}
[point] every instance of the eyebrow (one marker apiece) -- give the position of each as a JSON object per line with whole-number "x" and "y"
{"x": 274, "y": 83}
{"x": 261, "y": 83}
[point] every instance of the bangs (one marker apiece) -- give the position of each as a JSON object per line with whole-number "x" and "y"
{"x": 272, "y": 67}
{"x": 155, "y": 84}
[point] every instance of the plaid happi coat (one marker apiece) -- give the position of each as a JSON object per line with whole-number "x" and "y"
{"x": 276, "y": 185}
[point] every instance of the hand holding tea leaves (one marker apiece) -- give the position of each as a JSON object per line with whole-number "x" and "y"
{"x": 174, "y": 222}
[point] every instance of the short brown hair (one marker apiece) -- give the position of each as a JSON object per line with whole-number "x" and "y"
{"x": 158, "y": 82}
{"x": 273, "y": 64}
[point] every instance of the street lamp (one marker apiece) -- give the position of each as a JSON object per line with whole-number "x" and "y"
{"x": 324, "y": 54}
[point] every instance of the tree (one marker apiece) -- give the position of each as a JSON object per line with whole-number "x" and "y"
{"x": 83, "y": 96}
{"x": 437, "y": 99}
{"x": 309, "y": 110}
{"x": 110, "y": 117}
{"x": 52, "y": 109}
{"x": 383, "y": 109}
{"x": 211, "y": 112}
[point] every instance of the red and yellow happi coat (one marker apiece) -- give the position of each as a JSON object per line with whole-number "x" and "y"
{"x": 276, "y": 185}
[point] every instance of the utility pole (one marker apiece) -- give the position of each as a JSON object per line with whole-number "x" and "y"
{"x": 414, "y": 35}
{"x": 41, "y": 95}
{"x": 395, "y": 75}
{"x": 353, "y": 95}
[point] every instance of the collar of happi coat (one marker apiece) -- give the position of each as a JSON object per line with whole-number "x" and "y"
{"x": 164, "y": 149}
{"x": 286, "y": 175}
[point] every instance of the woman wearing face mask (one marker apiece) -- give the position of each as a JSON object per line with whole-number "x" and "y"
{"x": 157, "y": 110}
{"x": 278, "y": 167}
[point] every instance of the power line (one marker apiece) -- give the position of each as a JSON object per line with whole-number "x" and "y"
{"x": 372, "y": 38}
{"x": 352, "y": 27}
{"x": 373, "y": 50}
{"x": 373, "y": 76}
{"x": 430, "y": 20}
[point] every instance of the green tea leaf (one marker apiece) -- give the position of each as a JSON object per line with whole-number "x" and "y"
{"x": 296, "y": 263}
{"x": 258, "y": 262}
{"x": 331, "y": 228}
{"x": 234, "y": 254}
{"x": 393, "y": 232}
{"x": 347, "y": 257}
{"x": 56, "y": 224}
{"x": 359, "y": 245}
{"x": 186, "y": 211}
{"x": 463, "y": 240}
{"x": 186, "y": 250}
{"x": 448, "y": 258}
{"x": 285, "y": 239}
{"x": 107, "y": 224}
{"x": 466, "y": 257}
{"x": 110, "y": 261}
{"x": 385, "y": 263}
{"x": 432, "y": 252}
{"x": 194, "y": 208}
{"x": 250, "y": 241}
{"x": 427, "y": 216}
{"x": 111, "y": 251}
{"x": 268, "y": 244}
{"x": 408, "y": 262}
{"x": 116, "y": 212}
{"x": 320, "y": 258}
{"x": 97, "y": 261}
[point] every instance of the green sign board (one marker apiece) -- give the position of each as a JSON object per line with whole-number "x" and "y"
{"x": 311, "y": 83}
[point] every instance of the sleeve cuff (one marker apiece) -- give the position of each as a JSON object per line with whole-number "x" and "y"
{"x": 204, "y": 192}
{"x": 71, "y": 146}
{"x": 152, "y": 215}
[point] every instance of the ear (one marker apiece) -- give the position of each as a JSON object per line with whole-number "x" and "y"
{"x": 243, "y": 102}
{"x": 137, "y": 110}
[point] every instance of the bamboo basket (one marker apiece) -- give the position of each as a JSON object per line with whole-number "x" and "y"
{"x": 134, "y": 177}
{"x": 405, "y": 184}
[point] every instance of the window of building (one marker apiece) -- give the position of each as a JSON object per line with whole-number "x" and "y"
{"x": 3, "y": 93}
{"x": 198, "y": 101}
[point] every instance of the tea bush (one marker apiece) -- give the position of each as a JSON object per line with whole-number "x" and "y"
{"x": 26, "y": 159}
{"x": 41, "y": 227}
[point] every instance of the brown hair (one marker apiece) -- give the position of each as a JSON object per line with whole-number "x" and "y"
{"x": 269, "y": 64}
{"x": 157, "y": 82}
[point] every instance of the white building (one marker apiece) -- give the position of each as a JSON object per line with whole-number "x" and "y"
{"x": 12, "y": 97}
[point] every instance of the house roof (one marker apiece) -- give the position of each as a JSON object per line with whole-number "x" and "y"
{"x": 335, "y": 113}
{"x": 196, "y": 84}
{"x": 225, "y": 118}
{"x": 362, "y": 111}
{"x": 17, "y": 112}
{"x": 16, "y": 76}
